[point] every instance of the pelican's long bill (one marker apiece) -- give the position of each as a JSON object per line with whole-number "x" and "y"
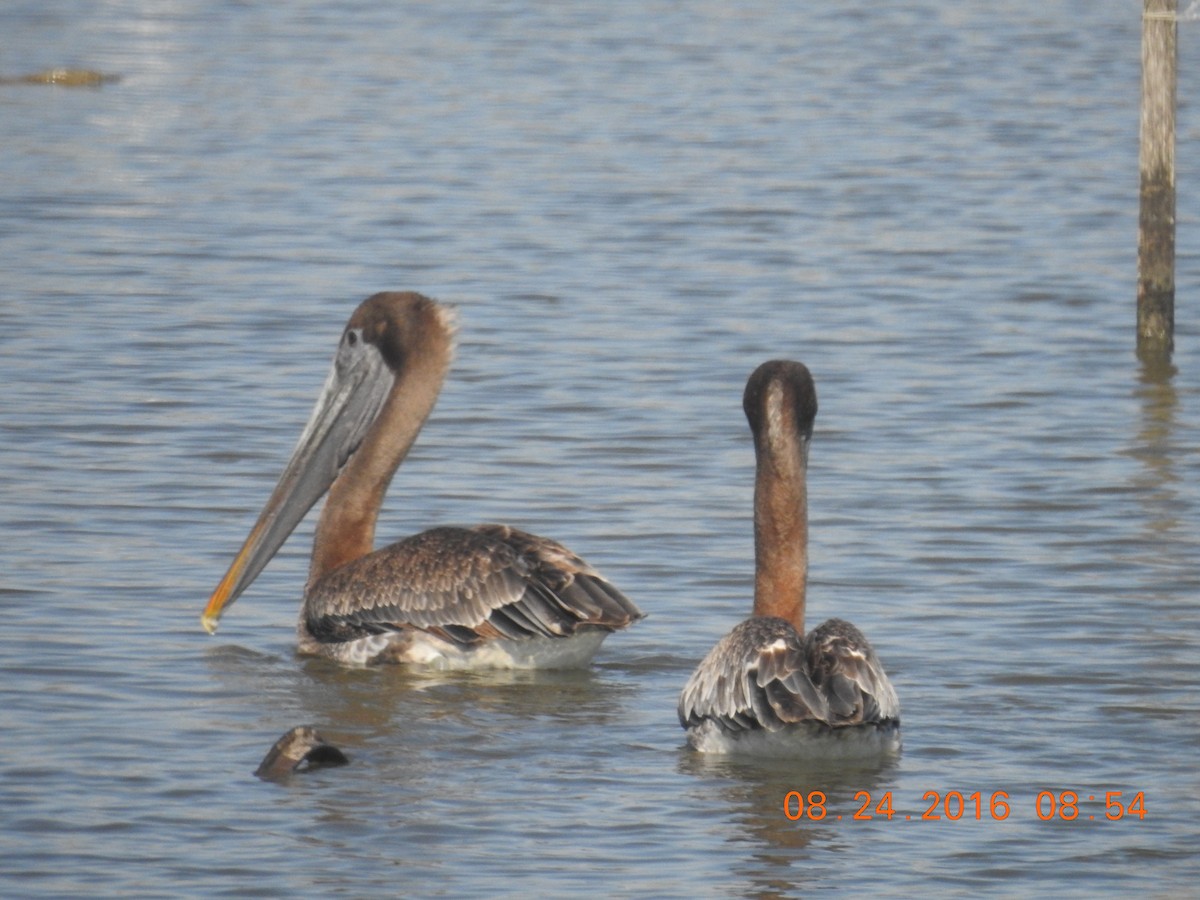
{"x": 354, "y": 392}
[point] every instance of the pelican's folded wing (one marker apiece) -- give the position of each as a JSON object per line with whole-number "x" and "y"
{"x": 466, "y": 585}
{"x": 764, "y": 675}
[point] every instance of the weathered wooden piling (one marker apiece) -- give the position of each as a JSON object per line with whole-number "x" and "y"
{"x": 1156, "y": 163}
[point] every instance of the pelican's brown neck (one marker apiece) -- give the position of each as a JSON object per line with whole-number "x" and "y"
{"x": 781, "y": 404}
{"x": 423, "y": 350}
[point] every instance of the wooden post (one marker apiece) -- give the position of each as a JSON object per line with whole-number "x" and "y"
{"x": 1156, "y": 163}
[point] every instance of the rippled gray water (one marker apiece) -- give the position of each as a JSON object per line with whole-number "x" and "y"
{"x": 932, "y": 205}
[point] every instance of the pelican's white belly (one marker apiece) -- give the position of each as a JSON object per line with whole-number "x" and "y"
{"x": 800, "y": 741}
{"x": 416, "y": 648}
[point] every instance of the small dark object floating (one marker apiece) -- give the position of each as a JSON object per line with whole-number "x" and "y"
{"x": 300, "y": 750}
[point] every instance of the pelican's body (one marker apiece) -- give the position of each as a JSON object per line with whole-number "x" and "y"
{"x": 766, "y": 688}
{"x": 483, "y": 597}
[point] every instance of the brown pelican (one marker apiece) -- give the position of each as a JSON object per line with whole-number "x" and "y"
{"x": 486, "y": 596}
{"x": 766, "y": 687}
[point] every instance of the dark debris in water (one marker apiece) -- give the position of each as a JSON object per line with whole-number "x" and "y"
{"x": 300, "y": 750}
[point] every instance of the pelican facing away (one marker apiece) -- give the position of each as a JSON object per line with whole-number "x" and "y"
{"x": 483, "y": 597}
{"x": 767, "y": 688}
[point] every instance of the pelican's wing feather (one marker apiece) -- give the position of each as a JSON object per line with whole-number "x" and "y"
{"x": 466, "y": 585}
{"x": 765, "y": 675}
{"x": 843, "y": 666}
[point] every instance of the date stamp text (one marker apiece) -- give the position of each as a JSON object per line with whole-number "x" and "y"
{"x": 976, "y": 806}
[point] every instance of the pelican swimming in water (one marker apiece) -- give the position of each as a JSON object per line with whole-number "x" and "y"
{"x": 489, "y": 596}
{"x": 767, "y": 688}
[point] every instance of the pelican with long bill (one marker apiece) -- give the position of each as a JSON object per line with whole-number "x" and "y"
{"x": 488, "y": 596}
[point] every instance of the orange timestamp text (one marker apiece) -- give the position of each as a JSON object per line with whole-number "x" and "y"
{"x": 954, "y": 806}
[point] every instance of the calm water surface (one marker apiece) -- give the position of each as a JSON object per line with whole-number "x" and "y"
{"x": 632, "y": 206}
